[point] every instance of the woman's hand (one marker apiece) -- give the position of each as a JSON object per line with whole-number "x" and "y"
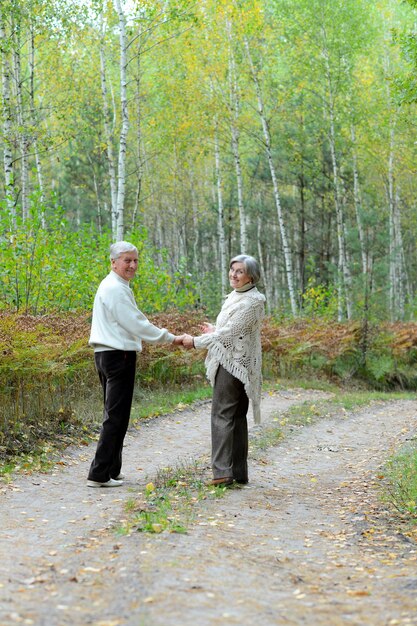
{"x": 188, "y": 341}
{"x": 184, "y": 340}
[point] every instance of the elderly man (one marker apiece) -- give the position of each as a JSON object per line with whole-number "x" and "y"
{"x": 117, "y": 330}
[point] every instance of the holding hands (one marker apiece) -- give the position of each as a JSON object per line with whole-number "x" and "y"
{"x": 187, "y": 341}
{"x": 184, "y": 340}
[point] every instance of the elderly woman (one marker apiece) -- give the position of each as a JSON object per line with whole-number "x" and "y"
{"x": 233, "y": 367}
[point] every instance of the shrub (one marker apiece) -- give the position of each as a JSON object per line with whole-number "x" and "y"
{"x": 48, "y": 382}
{"x": 57, "y": 269}
{"x": 386, "y": 360}
{"x": 50, "y": 389}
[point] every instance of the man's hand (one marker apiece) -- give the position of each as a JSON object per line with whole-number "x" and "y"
{"x": 184, "y": 340}
{"x": 188, "y": 341}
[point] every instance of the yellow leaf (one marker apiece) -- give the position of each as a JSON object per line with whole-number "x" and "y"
{"x": 157, "y": 528}
{"x": 352, "y": 592}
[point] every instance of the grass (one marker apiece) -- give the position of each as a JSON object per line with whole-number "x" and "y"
{"x": 155, "y": 402}
{"x": 401, "y": 483}
{"x": 40, "y": 460}
{"x": 318, "y": 384}
{"x": 356, "y": 399}
{"x": 169, "y": 501}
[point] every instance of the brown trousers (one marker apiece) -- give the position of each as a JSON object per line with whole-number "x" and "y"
{"x": 229, "y": 427}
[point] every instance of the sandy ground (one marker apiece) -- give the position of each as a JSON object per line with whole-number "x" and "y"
{"x": 308, "y": 541}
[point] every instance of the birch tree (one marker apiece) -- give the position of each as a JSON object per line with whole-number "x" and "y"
{"x": 21, "y": 117}
{"x": 396, "y": 269}
{"x": 358, "y": 201}
{"x": 34, "y": 122}
{"x": 7, "y": 115}
{"x": 234, "y": 107}
{"x": 121, "y": 173}
{"x": 345, "y": 280}
{"x": 268, "y": 150}
{"x": 220, "y": 212}
{"x": 109, "y": 120}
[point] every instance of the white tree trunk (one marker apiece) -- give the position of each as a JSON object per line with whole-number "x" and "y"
{"x": 38, "y": 162}
{"x": 402, "y": 278}
{"x": 358, "y": 203}
{"x": 121, "y": 178}
{"x": 7, "y": 126}
{"x": 23, "y": 139}
{"x": 396, "y": 253}
{"x": 139, "y": 156}
{"x": 220, "y": 216}
{"x": 397, "y": 269}
{"x": 344, "y": 282}
{"x": 108, "y": 132}
{"x": 268, "y": 149}
{"x": 234, "y": 128}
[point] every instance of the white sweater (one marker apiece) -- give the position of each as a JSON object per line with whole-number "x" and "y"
{"x": 117, "y": 322}
{"x": 236, "y": 343}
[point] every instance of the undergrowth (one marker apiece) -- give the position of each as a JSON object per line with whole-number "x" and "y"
{"x": 51, "y": 395}
{"x": 381, "y": 356}
{"x": 401, "y": 487}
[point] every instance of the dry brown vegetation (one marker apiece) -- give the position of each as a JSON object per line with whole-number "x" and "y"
{"x": 47, "y": 369}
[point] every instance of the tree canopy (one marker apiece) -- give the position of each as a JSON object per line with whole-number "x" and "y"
{"x": 282, "y": 129}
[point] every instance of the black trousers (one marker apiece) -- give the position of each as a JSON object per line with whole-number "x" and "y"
{"x": 116, "y": 370}
{"x": 229, "y": 427}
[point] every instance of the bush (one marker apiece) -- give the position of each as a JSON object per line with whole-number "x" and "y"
{"x": 45, "y": 366}
{"x": 402, "y": 481}
{"x": 50, "y": 389}
{"x": 57, "y": 269}
{"x": 384, "y": 359}
{"x": 48, "y": 382}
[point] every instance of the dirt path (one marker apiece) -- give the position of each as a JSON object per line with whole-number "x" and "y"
{"x": 306, "y": 542}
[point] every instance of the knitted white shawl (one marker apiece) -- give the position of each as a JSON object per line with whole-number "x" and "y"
{"x": 236, "y": 343}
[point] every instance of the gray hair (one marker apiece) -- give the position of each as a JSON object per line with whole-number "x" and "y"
{"x": 120, "y": 247}
{"x": 250, "y": 264}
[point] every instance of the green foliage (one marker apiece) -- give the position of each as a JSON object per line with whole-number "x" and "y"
{"x": 58, "y": 269}
{"x": 50, "y": 391}
{"x": 315, "y": 61}
{"x": 379, "y": 366}
{"x": 152, "y": 402}
{"x": 49, "y": 387}
{"x": 319, "y": 301}
{"x": 45, "y": 369}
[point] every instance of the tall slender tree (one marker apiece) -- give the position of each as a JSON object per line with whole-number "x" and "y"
{"x": 8, "y": 161}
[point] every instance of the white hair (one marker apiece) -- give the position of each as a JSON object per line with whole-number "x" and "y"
{"x": 250, "y": 264}
{"x": 120, "y": 247}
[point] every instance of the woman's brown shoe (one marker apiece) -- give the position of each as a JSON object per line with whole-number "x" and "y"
{"x": 216, "y": 482}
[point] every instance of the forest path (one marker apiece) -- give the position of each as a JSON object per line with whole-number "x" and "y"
{"x": 306, "y": 542}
